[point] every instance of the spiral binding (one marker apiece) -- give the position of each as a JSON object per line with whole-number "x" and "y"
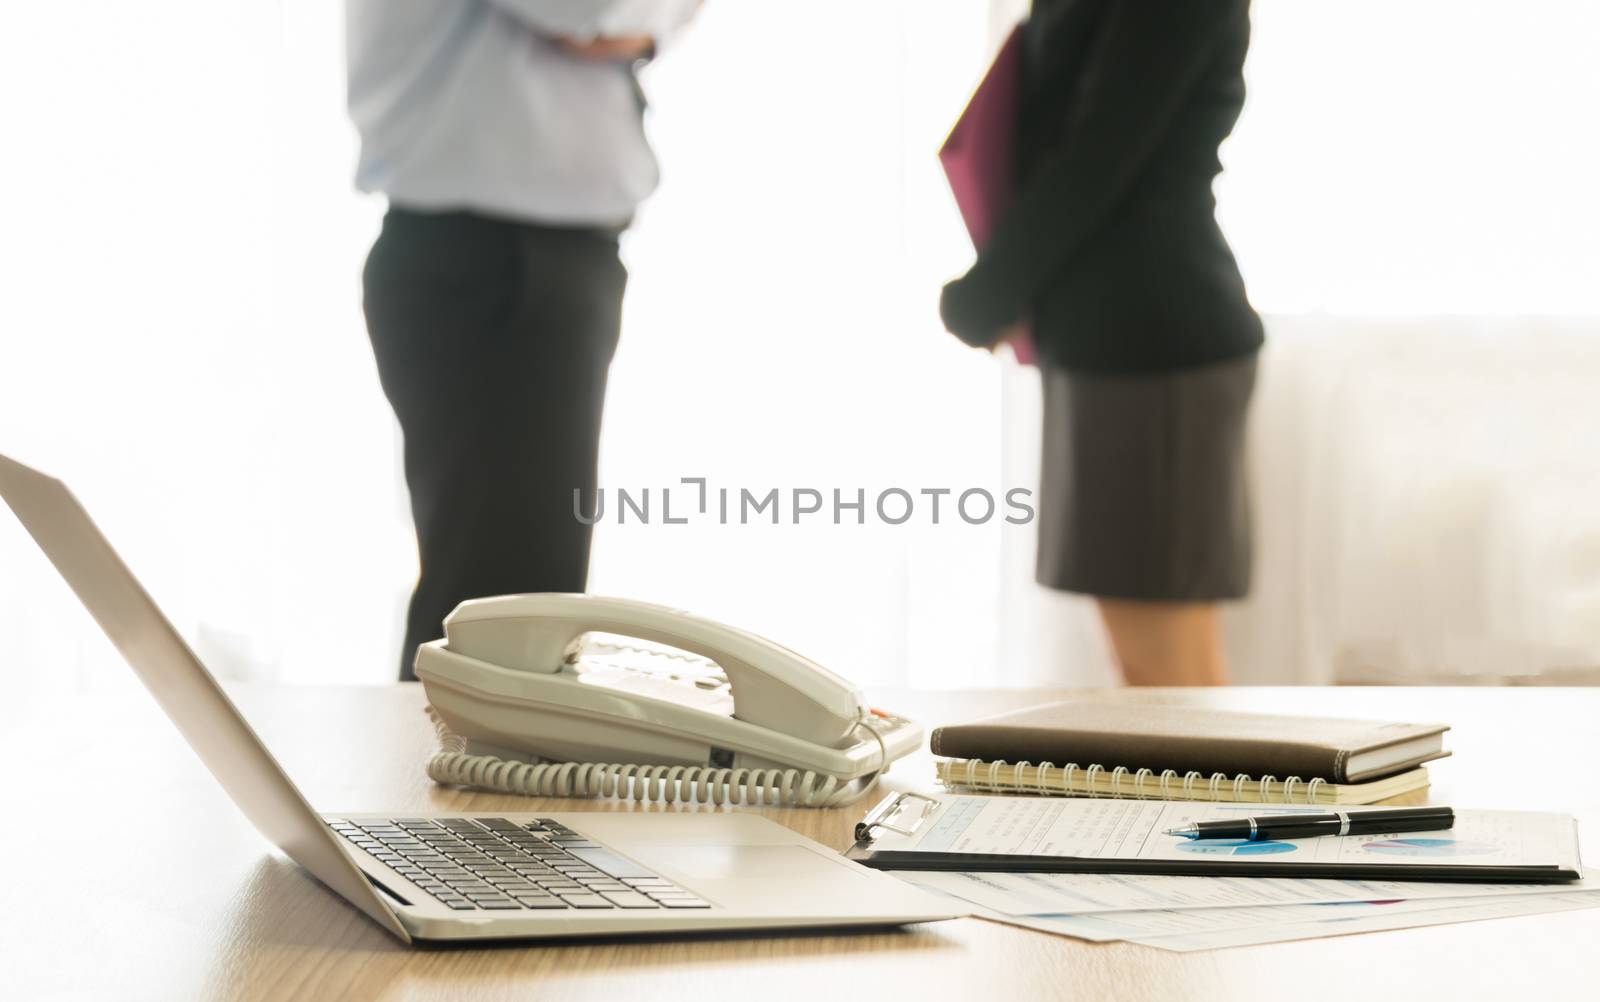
{"x": 965, "y": 773}
{"x": 453, "y": 765}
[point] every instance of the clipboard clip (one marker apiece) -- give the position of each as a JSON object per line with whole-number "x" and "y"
{"x": 888, "y": 811}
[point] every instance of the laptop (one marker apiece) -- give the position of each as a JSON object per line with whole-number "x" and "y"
{"x": 474, "y": 875}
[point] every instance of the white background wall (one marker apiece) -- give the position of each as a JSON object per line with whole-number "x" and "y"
{"x": 180, "y": 333}
{"x": 1427, "y": 514}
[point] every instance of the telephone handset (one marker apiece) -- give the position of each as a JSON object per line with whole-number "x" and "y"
{"x": 529, "y": 701}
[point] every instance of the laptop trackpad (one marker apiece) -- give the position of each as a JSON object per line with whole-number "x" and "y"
{"x": 749, "y": 866}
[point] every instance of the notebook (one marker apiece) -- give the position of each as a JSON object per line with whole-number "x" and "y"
{"x": 907, "y": 831}
{"x": 1184, "y": 753}
{"x": 1071, "y": 780}
{"x": 979, "y": 157}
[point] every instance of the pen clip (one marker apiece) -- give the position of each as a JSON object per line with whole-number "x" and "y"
{"x": 883, "y": 815}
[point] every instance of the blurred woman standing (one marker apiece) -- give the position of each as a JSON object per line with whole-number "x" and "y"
{"x": 1111, "y": 252}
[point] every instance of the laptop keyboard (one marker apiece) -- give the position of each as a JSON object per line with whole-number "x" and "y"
{"x": 493, "y": 864}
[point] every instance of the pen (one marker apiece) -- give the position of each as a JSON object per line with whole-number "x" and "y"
{"x": 1406, "y": 819}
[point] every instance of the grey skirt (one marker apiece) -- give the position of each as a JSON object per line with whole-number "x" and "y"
{"x": 1142, "y": 489}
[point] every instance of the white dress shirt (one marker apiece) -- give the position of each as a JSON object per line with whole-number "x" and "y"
{"x": 472, "y": 104}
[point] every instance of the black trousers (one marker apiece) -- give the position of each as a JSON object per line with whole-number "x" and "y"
{"x": 493, "y": 339}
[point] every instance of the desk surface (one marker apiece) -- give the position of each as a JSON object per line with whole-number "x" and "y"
{"x": 204, "y": 909}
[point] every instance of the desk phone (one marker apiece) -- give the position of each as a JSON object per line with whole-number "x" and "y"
{"x": 577, "y": 695}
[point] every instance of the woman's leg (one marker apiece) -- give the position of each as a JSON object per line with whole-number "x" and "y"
{"x": 1165, "y": 643}
{"x": 1143, "y": 506}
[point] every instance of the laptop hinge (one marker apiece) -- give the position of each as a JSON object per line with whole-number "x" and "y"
{"x": 386, "y": 890}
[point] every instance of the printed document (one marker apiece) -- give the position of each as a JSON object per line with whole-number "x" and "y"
{"x": 1098, "y": 893}
{"x": 1133, "y": 829}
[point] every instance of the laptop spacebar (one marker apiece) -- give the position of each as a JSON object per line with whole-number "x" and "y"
{"x": 610, "y": 863}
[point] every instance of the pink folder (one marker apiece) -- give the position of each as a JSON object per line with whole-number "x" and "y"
{"x": 979, "y": 158}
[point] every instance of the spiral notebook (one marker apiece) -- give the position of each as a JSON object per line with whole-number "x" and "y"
{"x": 1073, "y": 780}
{"x": 1163, "y": 752}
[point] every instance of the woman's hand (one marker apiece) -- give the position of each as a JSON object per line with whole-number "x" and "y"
{"x": 617, "y": 47}
{"x": 1008, "y": 335}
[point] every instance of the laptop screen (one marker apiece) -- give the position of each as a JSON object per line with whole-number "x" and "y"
{"x": 182, "y": 686}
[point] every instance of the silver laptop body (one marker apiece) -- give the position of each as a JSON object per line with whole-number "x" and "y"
{"x": 471, "y": 875}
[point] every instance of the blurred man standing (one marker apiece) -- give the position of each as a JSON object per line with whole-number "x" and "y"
{"x": 508, "y": 136}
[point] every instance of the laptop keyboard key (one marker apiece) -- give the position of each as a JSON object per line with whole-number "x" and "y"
{"x": 628, "y": 899}
{"x": 585, "y": 900}
{"x": 682, "y": 902}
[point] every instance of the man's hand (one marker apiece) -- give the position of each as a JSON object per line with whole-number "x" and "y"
{"x": 615, "y": 48}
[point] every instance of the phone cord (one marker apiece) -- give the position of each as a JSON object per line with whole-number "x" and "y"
{"x": 453, "y": 766}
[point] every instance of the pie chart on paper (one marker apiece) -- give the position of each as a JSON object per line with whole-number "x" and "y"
{"x": 1235, "y": 847}
{"x": 1434, "y": 847}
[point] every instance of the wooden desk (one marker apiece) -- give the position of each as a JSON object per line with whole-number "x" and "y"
{"x": 165, "y": 892}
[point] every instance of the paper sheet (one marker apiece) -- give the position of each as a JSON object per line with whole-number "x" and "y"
{"x": 1099, "y": 893}
{"x": 1132, "y": 829}
{"x": 1235, "y": 926}
{"x": 1373, "y": 918}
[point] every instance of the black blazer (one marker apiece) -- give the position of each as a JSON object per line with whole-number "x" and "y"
{"x": 1111, "y": 245}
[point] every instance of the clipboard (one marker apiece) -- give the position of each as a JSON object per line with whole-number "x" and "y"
{"x": 885, "y": 816}
{"x": 910, "y": 831}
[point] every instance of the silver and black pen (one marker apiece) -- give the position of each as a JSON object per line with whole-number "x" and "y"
{"x": 1405, "y": 819}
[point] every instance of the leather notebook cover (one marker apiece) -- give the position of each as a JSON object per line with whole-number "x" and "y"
{"x": 1184, "y": 738}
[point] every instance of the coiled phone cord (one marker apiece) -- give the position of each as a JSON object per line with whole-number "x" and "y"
{"x": 452, "y": 765}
